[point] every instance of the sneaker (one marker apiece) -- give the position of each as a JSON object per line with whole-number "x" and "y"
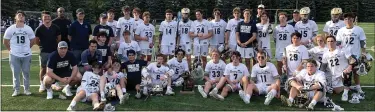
{"x": 15, "y": 93}
{"x": 169, "y": 92}
{"x": 246, "y": 100}
{"x": 200, "y": 89}
{"x": 71, "y": 108}
{"x": 67, "y": 91}
{"x": 220, "y": 97}
{"x": 310, "y": 107}
{"x": 41, "y": 88}
{"x": 27, "y": 92}
{"x": 344, "y": 97}
{"x": 213, "y": 92}
{"x": 56, "y": 86}
{"x": 138, "y": 95}
{"x": 124, "y": 98}
{"x": 145, "y": 91}
{"x": 99, "y": 106}
{"x": 286, "y": 101}
{"x": 242, "y": 95}
{"x": 269, "y": 98}
{"x": 49, "y": 94}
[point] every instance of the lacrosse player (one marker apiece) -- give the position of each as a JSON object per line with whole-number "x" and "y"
{"x": 264, "y": 80}
{"x": 307, "y": 28}
{"x": 230, "y": 31}
{"x": 282, "y": 37}
{"x": 105, "y": 49}
{"x": 310, "y": 81}
{"x": 144, "y": 34}
{"x": 157, "y": 74}
{"x": 125, "y": 23}
{"x": 110, "y": 84}
{"x": 137, "y": 19}
{"x": 317, "y": 52}
{"x": 218, "y": 26}
{"x": 103, "y": 27}
{"x": 89, "y": 89}
{"x": 234, "y": 74}
{"x": 184, "y": 38}
{"x": 352, "y": 38}
{"x": 112, "y": 23}
{"x": 128, "y": 44}
{"x": 179, "y": 65}
{"x": 295, "y": 56}
{"x": 213, "y": 73}
{"x": 331, "y": 27}
{"x": 167, "y": 37}
{"x": 263, "y": 37}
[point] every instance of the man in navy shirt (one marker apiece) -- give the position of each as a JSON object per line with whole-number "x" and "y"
{"x": 62, "y": 66}
{"x": 106, "y": 51}
{"x": 63, "y": 23}
{"x": 103, "y": 27}
{"x": 90, "y": 55}
{"x": 79, "y": 34}
{"x": 295, "y": 19}
{"x": 133, "y": 70}
{"x": 246, "y": 32}
{"x": 47, "y": 36}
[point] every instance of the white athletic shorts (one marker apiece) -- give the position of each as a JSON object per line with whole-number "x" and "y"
{"x": 186, "y": 48}
{"x": 88, "y": 94}
{"x": 236, "y": 88}
{"x": 201, "y": 50}
{"x": 167, "y": 49}
{"x": 263, "y": 88}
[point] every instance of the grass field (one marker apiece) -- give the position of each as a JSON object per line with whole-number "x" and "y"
{"x": 178, "y": 102}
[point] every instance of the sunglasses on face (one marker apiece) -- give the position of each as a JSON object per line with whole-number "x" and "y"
{"x": 261, "y": 57}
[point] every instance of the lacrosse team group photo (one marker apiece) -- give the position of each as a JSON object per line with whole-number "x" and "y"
{"x": 193, "y": 55}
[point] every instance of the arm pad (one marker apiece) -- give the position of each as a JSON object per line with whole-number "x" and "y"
{"x": 363, "y": 43}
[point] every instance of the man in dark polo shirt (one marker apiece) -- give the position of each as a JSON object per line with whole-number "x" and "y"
{"x": 62, "y": 66}
{"x": 47, "y": 36}
{"x": 89, "y": 56}
{"x": 246, "y": 33}
{"x": 63, "y": 23}
{"x": 79, "y": 34}
{"x": 133, "y": 70}
{"x": 295, "y": 19}
{"x": 103, "y": 27}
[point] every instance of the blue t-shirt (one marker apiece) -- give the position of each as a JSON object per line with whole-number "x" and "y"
{"x": 133, "y": 70}
{"x": 106, "y": 51}
{"x": 80, "y": 35}
{"x": 59, "y": 64}
{"x": 107, "y": 29}
{"x": 88, "y": 59}
{"x": 246, "y": 31}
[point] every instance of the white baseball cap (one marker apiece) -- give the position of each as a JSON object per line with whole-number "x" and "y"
{"x": 260, "y": 6}
{"x": 185, "y": 10}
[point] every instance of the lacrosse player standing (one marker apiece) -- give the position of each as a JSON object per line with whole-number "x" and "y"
{"x": 167, "y": 37}
{"x": 317, "y": 52}
{"x": 331, "y": 27}
{"x": 230, "y": 31}
{"x": 218, "y": 26}
{"x": 263, "y": 37}
{"x": 125, "y": 23}
{"x": 295, "y": 56}
{"x": 144, "y": 34}
{"x": 307, "y": 28}
{"x": 184, "y": 38}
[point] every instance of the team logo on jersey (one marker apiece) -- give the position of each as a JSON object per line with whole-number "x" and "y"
{"x": 20, "y": 33}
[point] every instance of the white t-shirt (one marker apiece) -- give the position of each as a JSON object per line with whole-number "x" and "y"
{"x": 169, "y": 30}
{"x": 350, "y": 39}
{"x": 332, "y": 28}
{"x": 138, "y": 22}
{"x": 215, "y": 70}
{"x": 218, "y": 32}
{"x": 308, "y": 80}
{"x": 307, "y": 30}
{"x": 156, "y": 72}
{"x": 124, "y": 47}
{"x": 263, "y": 36}
{"x": 113, "y": 25}
{"x": 231, "y": 26}
{"x": 184, "y": 29}
{"x": 126, "y": 24}
{"x": 90, "y": 82}
{"x": 282, "y": 35}
{"x": 294, "y": 56}
{"x": 178, "y": 67}
{"x": 236, "y": 72}
{"x": 201, "y": 27}
{"x": 337, "y": 61}
{"x": 316, "y": 53}
{"x": 265, "y": 75}
{"x": 20, "y": 40}
{"x": 145, "y": 31}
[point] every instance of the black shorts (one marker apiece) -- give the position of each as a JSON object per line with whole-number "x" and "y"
{"x": 130, "y": 85}
{"x": 64, "y": 74}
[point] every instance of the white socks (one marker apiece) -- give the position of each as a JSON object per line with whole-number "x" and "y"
{"x": 345, "y": 91}
{"x": 274, "y": 92}
{"x": 248, "y": 96}
{"x": 291, "y": 99}
{"x": 123, "y": 90}
{"x": 313, "y": 102}
{"x": 73, "y": 103}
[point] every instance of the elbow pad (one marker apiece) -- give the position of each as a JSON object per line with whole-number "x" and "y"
{"x": 170, "y": 72}
{"x": 338, "y": 43}
{"x": 363, "y": 43}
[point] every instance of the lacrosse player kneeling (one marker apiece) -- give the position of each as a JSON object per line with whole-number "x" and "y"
{"x": 89, "y": 89}
{"x": 110, "y": 84}
{"x": 267, "y": 80}
{"x": 157, "y": 76}
{"x": 180, "y": 66}
{"x": 308, "y": 83}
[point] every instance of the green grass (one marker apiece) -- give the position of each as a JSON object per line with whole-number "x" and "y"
{"x": 178, "y": 102}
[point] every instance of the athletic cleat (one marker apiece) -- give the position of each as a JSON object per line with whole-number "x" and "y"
{"x": 27, "y": 92}
{"x": 15, "y": 93}
{"x": 269, "y": 98}
{"x": 124, "y": 98}
{"x": 200, "y": 89}
{"x": 286, "y": 101}
{"x": 242, "y": 95}
{"x": 145, "y": 91}
{"x": 310, "y": 107}
{"x": 138, "y": 95}
{"x": 221, "y": 98}
{"x": 71, "y": 108}
{"x": 344, "y": 97}
{"x": 99, "y": 106}
{"x": 213, "y": 92}
{"x": 169, "y": 92}
{"x": 67, "y": 91}
{"x": 49, "y": 94}
{"x": 41, "y": 88}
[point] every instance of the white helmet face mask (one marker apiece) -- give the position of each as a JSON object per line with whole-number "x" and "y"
{"x": 304, "y": 13}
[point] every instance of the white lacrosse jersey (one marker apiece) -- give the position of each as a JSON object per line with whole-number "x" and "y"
{"x": 282, "y": 35}
{"x": 307, "y": 30}
{"x": 350, "y": 39}
{"x": 294, "y": 56}
{"x": 90, "y": 82}
{"x": 156, "y": 72}
{"x": 263, "y": 36}
{"x": 113, "y": 78}
{"x": 265, "y": 75}
{"x": 113, "y": 25}
{"x": 308, "y": 80}
{"x": 126, "y": 24}
{"x": 316, "y": 53}
{"x": 145, "y": 31}
{"x": 169, "y": 30}
{"x": 231, "y": 26}
{"x": 201, "y": 27}
{"x": 218, "y": 32}
{"x": 215, "y": 70}
{"x": 124, "y": 47}
{"x": 178, "y": 67}
{"x": 337, "y": 61}
{"x": 236, "y": 72}
{"x": 138, "y": 22}
{"x": 332, "y": 28}
{"x": 184, "y": 29}
{"x": 19, "y": 39}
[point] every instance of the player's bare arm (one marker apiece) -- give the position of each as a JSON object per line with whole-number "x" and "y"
{"x": 251, "y": 39}
{"x": 37, "y": 41}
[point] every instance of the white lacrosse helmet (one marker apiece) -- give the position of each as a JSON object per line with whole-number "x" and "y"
{"x": 336, "y": 11}
{"x": 185, "y": 10}
{"x": 305, "y": 10}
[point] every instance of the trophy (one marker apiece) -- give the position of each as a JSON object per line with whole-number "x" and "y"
{"x": 188, "y": 84}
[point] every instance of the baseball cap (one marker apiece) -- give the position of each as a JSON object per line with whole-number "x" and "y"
{"x": 296, "y": 11}
{"x": 261, "y": 6}
{"x": 103, "y": 15}
{"x": 80, "y": 10}
{"x": 62, "y": 44}
{"x": 126, "y": 8}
